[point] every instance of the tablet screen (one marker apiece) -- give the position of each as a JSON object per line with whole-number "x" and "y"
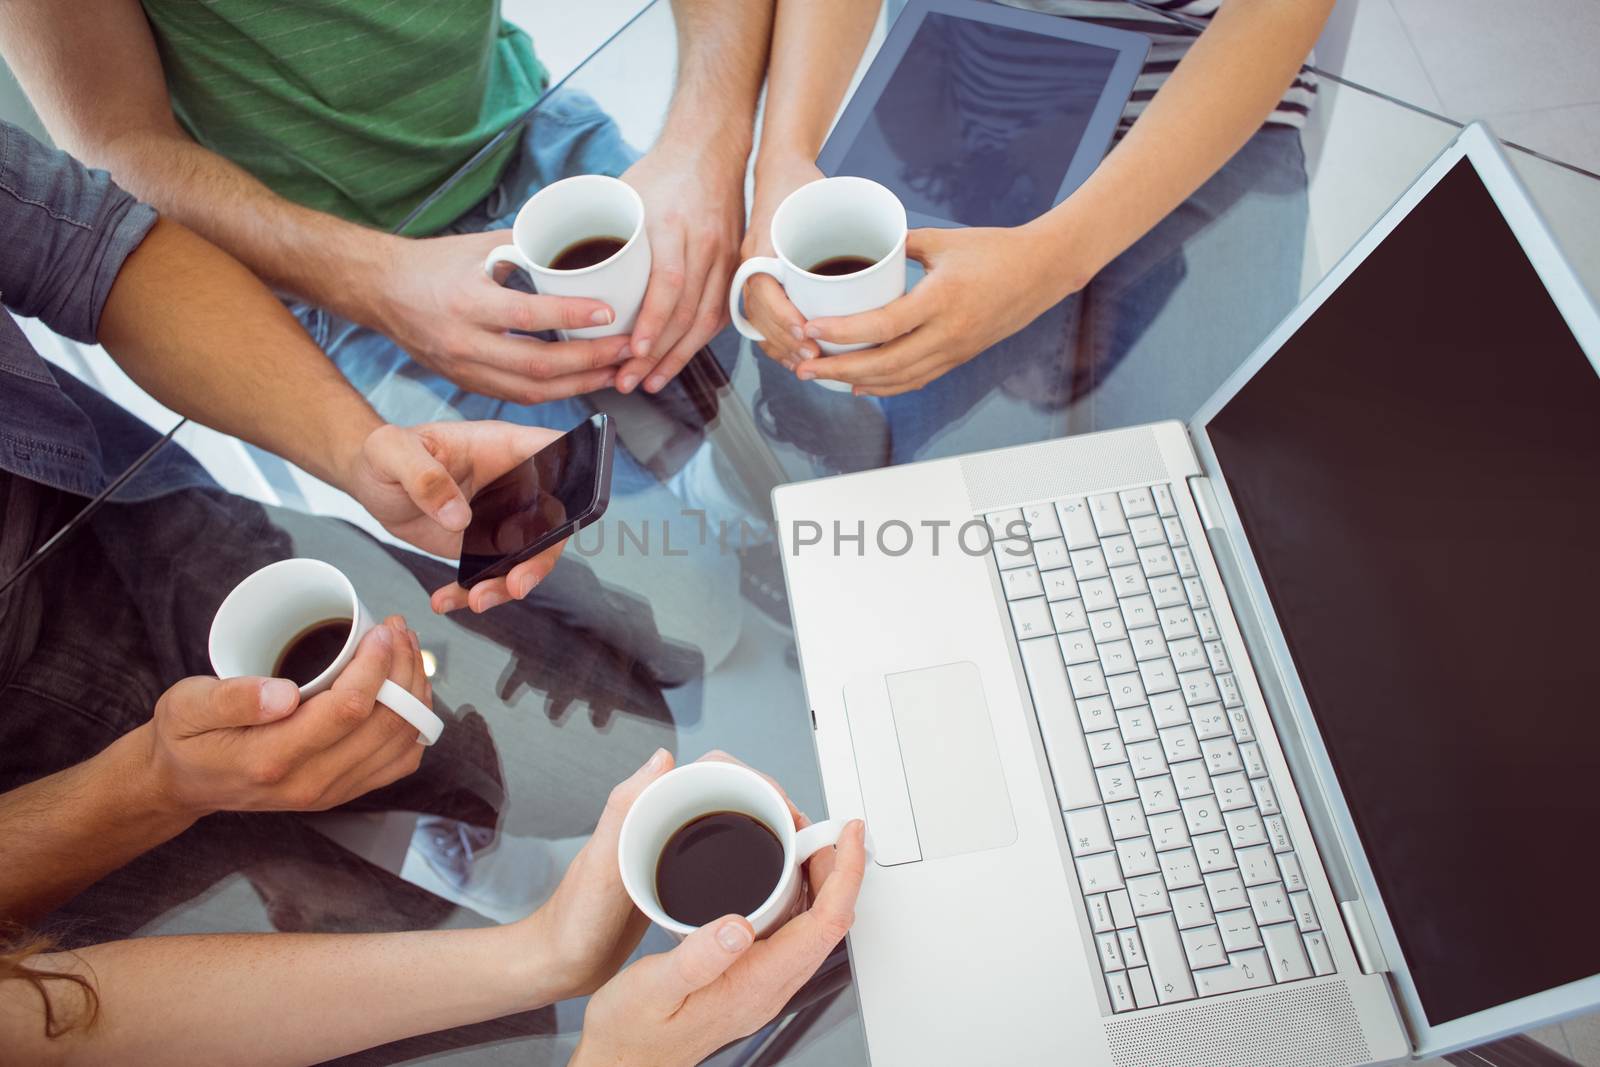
{"x": 979, "y": 122}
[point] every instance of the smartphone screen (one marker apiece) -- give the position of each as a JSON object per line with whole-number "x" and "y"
{"x": 535, "y": 504}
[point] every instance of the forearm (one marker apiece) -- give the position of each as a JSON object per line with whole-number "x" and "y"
{"x": 62, "y": 833}
{"x": 202, "y": 335}
{"x": 722, "y": 52}
{"x": 1218, "y": 96}
{"x": 816, "y": 47}
{"x": 275, "y": 998}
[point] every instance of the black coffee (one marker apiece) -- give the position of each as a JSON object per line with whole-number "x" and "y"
{"x": 311, "y": 650}
{"x": 725, "y": 863}
{"x": 842, "y": 265}
{"x": 587, "y": 252}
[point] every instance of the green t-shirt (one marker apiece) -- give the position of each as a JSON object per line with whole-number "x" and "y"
{"x": 359, "y": 108}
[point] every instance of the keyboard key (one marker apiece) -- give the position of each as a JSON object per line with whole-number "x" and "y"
{"x": 1201, "y": 815}
{"x": 1088, "y": 563}
{"x": 1144, "y": 987}
{"x": 1148, "y": 644}
{"x": 1095, "y": 713}
{"x": 1059, "y": 584}
{"x": 1169, "y": 967}
{"x": 1176, "y": 623}
{"x": 1162, "y": 494}
{"x": 1126, "y": 691}
{"x": 1106, "y": 626}
{"x": 1116, "y": 657}
{"x": 1305, "y": 915}
{"x": 1106, "y": 748}
{"x": 1100, "y": 874}
{"x": 1121, "y": 909}
{"x": 1270, "y": 904}
{"x": 1087, "y": 679}
{"x": 1167, "y": 591}
{"x": 1210, "y": 721}
{"x": 1158, "y": 795}
{"x": 1238, "y": 716}
{"x": 1233, "y": 791}
{"x": 1013, "y": 552}
{"x": 1245, "y": 970}
{"x": 1138, "y": 502}
{"x": 1239, "y": 930}
{"x": 1069, "y": 616}
{"x": 1203, "y": 945}
{"x": 1158, "y": 675}
{"x": 1293, "y": 877}
{"x": 1156, "y": 561}
{"x": 1250, "y": 756}
{"x": 1179, "y": 743}
{"x": 1149, "y": 895}
{"x": 1121, "y": 995}
{"x": 1286, "y": 951}
{"x": 1107, "y": 512}
{"x": 1188, "y": 654}
{"x": 1136, "y": 724}
{"x": 1168, "y": 708}
{"x": 1128, "y": 581}
{"x": 1031, "y": 618}
{"x": 1218, "y": 657}
{"x": 1087, "y": 831}
{"x": 1277, "y": 833}
{"x": 1063, "y": 739}
{"x": 1116, "y": 783}
{"x": 1197, "y": 592}
{"x": 1174, "y": 531}
{"x": 1120, "y": 551}
{"x": 1078, "y": 647}
{"x": 1199, "y": 688}
{"x": 1257, "y": 865}
{"x": 1139, "y": 611}
{"x": 1266, "y": 799}
{"x": 1126, "y": 818}
{"x": 1191, "y": 779}
{"x": 1042, "y": 522}
{"x": 1076, "y": 525}
{"x": 1132, "y": 947}
{"x": 1099, "y": 912}
{"x": 1206, "y": 624}
{"x": 1229, "y": 686}
{"x": 1098, "y": 593}
{"x": 1147, "y": 759}
{"x": 1214, "y": 851}
{"x": 1191, "y": 906}
{"x": 1110, "y": 951}
{"x": 1180, "y": 869}
{"x": 1021, "y": 582}
{"x": 1004, "y": 525}
{"x": 1321, "y": 957}
{"x": 1183, "y": 558}
{"x": 1245, "y": 828}
{"x": 1137, "y": 857}
{"x": 1226, "y": 890}
{"x": 1147, "y": 531}
{"x": 1167, "y": 830}
{"x": 1052, "y": 555}
{"x": 1221, "y": 755}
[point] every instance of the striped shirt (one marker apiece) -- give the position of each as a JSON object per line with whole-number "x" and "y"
{"x": 1169, "y": 42}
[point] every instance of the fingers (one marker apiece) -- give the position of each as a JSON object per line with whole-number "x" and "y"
{"x": 702, "y": 314}
{"x": 794, "y": 953}
{"x": 624, "y": 794}
{"x": 504, "y": 385}
{"x": 529, "y": 357}
{"x": 661, "y": 296}
{"x": 404, "y": 456}
{"x": 874, "y": 327}
{"x": 511, "y": 309}
{"x": 522, "y": 580}
{"x": 699, "y": 960}
{"x": 869, "y": 365}
{"x": 338, "y": 712}
{"x": 196, "y": 705}
{"x": 778, "y": 320}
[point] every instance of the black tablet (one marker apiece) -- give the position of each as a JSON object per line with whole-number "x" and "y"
{"x": 981, "y": 115}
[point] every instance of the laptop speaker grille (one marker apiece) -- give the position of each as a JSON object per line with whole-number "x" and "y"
{"x": 1090, "y": 463}
{"x": 1300, "y": 1026}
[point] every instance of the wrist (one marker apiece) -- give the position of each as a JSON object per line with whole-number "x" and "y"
{"x": 143, "y": 784}
{"x": 532, "y": 965}
{"x": 1064, "y": 245}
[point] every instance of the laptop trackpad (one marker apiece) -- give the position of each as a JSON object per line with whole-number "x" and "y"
{"x": 930, "y": 774}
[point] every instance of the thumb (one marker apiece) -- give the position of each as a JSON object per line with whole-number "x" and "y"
{"x": 700, "y": 960}
{"x": 197, "y": 705}
{"x": 922, "y": 245}
{"x": 404, "y": 455}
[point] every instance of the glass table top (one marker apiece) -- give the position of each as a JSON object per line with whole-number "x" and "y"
{"x": 666, "y": 624}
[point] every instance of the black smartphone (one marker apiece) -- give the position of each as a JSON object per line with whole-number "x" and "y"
{"x": 550, "y": 496}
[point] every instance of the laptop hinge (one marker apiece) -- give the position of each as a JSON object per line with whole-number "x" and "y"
{"x": 1205, "y": 501}
{"x": 1362, "y": 937}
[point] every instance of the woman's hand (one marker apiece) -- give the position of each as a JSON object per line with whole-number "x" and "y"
{"x": 982, "y": 285}
{"x": 678, "y": 1007}
{"x": 765, "y": 303}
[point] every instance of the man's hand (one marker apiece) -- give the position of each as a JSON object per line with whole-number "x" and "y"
{"x": 678, "y": 1007}
{"x": 417, "y": 481}
{"x": 766, "y": 305}
{"x": 249, "y": 744}
{"x": 439, "y": 306}
{"x": 694, "y": 213}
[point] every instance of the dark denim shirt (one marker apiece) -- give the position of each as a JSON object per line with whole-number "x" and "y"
{"x": 65, "y": 231}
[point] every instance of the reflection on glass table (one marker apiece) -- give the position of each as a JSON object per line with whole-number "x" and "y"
{"x": 667, "y": 624}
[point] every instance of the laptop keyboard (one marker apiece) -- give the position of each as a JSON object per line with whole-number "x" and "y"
{"x": 1191, "y": 882}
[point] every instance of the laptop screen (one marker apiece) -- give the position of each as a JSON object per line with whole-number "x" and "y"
{"x": 979, "y": 122}
{"x": 1418, "y": 473}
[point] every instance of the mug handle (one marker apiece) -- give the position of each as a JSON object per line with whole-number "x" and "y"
{"x": 748, "y": 269}
{"x": 506, "y": 254}
{"x": 816, "y": 837}
{"x": 429, "y": 726}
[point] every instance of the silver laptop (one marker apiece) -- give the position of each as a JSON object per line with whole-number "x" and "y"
{"x": 1272, "y": 738}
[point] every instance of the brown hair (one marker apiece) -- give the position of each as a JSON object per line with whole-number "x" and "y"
{"x": 16, "y": 949}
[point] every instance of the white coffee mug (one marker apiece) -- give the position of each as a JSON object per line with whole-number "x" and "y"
{"x": 823, "y": 220}
{"x": 569, "y": 212}
{"x": 684, "y": 794}
{"x": 266, "y": 611}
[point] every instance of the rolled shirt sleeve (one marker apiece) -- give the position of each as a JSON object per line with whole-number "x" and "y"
{"x": 65, "y": 231}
